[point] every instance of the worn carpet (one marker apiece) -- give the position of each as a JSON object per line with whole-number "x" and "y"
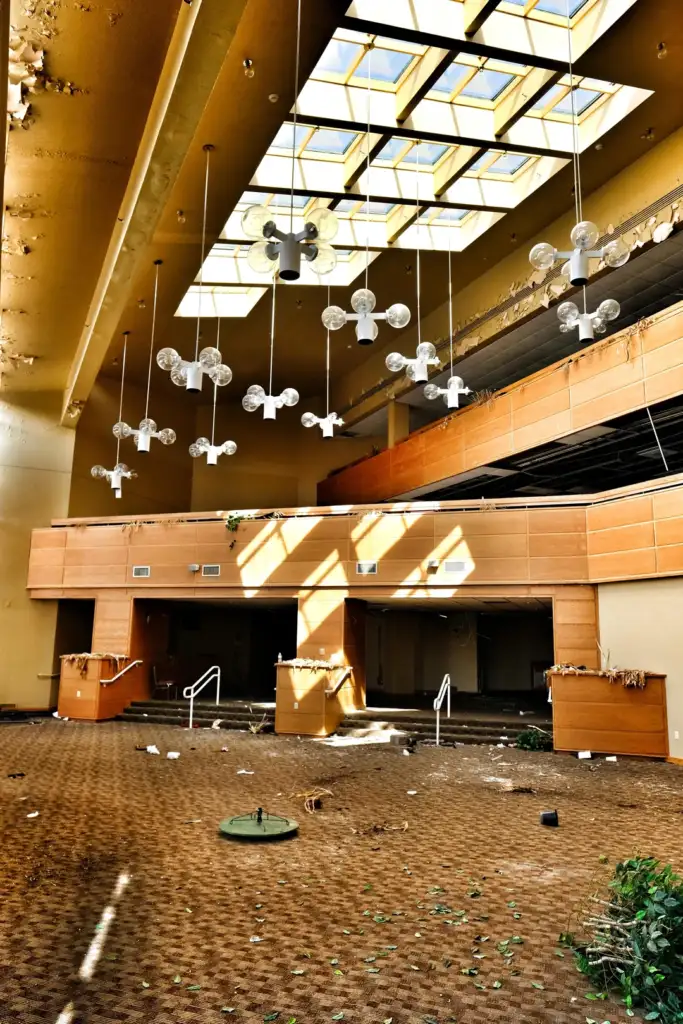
{"x": 119, "y": 901}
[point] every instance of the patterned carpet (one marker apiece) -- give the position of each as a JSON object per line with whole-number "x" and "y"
{"x": 349, "y": 923}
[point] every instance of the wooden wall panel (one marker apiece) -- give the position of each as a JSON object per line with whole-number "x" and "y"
{"x": 112, "y": 627}
{"x": 575, "y": 624}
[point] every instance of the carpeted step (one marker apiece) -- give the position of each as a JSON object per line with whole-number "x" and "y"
{"x": 150, "y": 718}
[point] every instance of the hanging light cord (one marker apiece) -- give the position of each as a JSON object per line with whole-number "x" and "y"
{"x": 450, "y": 297}
{"x": 157, "y": 264}
{"x": 417, "y": 238}
{"x": 367, "y": 171}
{"x": 296, "y": 102}
{"x": 578, "y": 202}
{"x": 272, "y": 340}
{"x": 201, "y": 269}
{"x": 327, "y": 358}
{"x": 123, "y": 377}
{"x": 215, "y": 386}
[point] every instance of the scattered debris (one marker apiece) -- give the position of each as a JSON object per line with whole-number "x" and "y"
{"x": 412, "y": 792}
{"x": 17, "y": 775}
{"x": 243, "y": 771}
{"x": 613, "y": 757}
{"x": 152, "y": 749}
{"x": 224, "y": 750}
{"x": 172, "y": 755}
{"x": 255, "y": 938}
{"x": 584, "y": 755}
{"x": 313, "y": 798}
{"x": 216, "y": 724}
{"x": 365, "y": 830}
{"x": 192, "y": 821}
{"x": 550, "y": 818}
{"x": 33, "y": 814}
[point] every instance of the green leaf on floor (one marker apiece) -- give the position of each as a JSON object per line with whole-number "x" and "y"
{"x": 536, "y": 984}
{"x": 112, "y": 956}
{"x": 334, "y": 962}
{"x": 429, "y": 1019}
{"x": 558, "y": 952}
{"x": 367, "y": 887}
{"x": 271, "y": 1016}
{"x": 338, "y": 1016}
{"x": 337, "y": 971}
{"x": 347, "y": 931}
{"x": 478, "y": 984}
{"x": 517, "y": 939}
{"x": 380, "y": 919}
{"x": 512, "y": 904}
{"x": 391, "y": 947}
{"x": 194, "y": 988}
{"x": 471, "y": 971}
{"x": 177, "y": 980}
{"x": 292, "y": 1020}
{"x": 516, "y": 915}
{"x": 372, "y": 970}
{"x": 497, "y": 984}
{"x": 297, "y": 972}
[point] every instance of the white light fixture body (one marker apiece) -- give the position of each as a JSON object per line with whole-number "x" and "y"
{"x": 202, "y": 446}
{"x": 190, "y": 373}
{"x": 144, "y": 434}
{"x": 450, "y": 394}
{"x": 326, "y": 423}
{"x": 588, "y": 324}
{"x": 271, "y": 243}
{"x": 417, "y": 369}
{"x": 114, "y": 476}
{"x": 363, "y": 303}
{"x": 256, "y": 397}
{"x": 584, "y": 236}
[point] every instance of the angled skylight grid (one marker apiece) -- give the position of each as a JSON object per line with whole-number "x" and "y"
{"x": 327, "y": 140}
{"x": 384, "y": 66}
{"x": 486, "y": 84}
{"x": 285, "y": 137}
{"x": 583, "y": 99}
{"x": 428, "y": 153}
{"x": 339, "y": 57}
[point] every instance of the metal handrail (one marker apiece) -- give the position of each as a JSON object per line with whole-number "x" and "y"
{"x": 190, "y": 692}
{"x": 107, "y": 682}
{"x": 444, "y": 691}
{"x": 333, "y": 690}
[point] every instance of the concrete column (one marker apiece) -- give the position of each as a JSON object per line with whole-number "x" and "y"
{"x": 398, "y": 422}
{"x": 35, "y": 476}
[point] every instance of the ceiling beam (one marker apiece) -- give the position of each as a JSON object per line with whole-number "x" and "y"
{"x": 444, "y": 204}
{"x": 400, "y": 219}
{"x": 357, "y": 160}
{"x": 476, "y": 12}
{"x": 522, "y": 98}
{"x": 426, "y": 72}
{"x": 454, "y": 166}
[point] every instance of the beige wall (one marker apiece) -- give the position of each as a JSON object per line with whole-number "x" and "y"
{"x": 277, "y": 463}
{"x": 164, "y": 481}
{"x": 411, "y": 651}
{"x": 35, "y": 473}
{"x": 641, "y": 627}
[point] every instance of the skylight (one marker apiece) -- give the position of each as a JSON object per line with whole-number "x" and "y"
{"x": 339, "y": 57}
{"x": 325, "y": 140}
{"x": 387, "y": 65}
{"x": 486, "y": 84}
{"x": 429, "y": 153}
{"x": 583, "y": 99}
{"x": 298, "y": 202}
{"x": 547, "y": 97}
{"x": 559, "y": 7}
{"x": 392, "y": 150}
{"x": 508, "y": 163}
{"x": 284, "y": 138}
{"x": 450, "y": 78}
{"x": 375, "y": 209}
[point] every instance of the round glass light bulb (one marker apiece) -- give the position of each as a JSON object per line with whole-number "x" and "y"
{"x": 250, "y": 403}
{"x": 566, "y": 328}
{"x": 431, "y": 391}
{"x": 290, "y": 396}
{"x": 167, "y": 358}
{"x": 179, "y": 375}
{"x": 542, "y": 256}
{"x": 333, "y": 318}
{"x": 584, "y": 235}
{"x": 257, "y": 391}
{"x": 254, "y": 220}
{"x": 456, "y": 382}
{"x": 325, "y": 222}
{"x": 325, "y": 260}
{"x": 221, "y": 375}
{"x": 148, "y": 426}
{"x": 195, "y": 450}
{"x": 395, "y": 362}
{"x": 121, "y": 430}
{"x": 425, "y": 350}
{"x": 567, "y": 311}
{"x": 363, "y": 301}
{"x": 98, "y": 472}
{"x": 398, "y": 315}
{"x": 411, "y": 370}
{"x": 209, "y": 358}
{"x": 616, "y": 253}
{"x": 121, "y": 468}
{"x": 229, "y": 448}
{"x": 609, "y": 309}
{"x": 258, "y": 258}
{"x": 167, "y": 436}
{"x": 309, "y": 419}
{"x": 599, "y": 325}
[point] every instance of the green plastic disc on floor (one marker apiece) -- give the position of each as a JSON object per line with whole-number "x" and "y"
{"x": 258, "y": 826}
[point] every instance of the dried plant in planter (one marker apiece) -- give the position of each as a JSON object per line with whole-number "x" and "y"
{"x": 636, "y": 940}
{"x": 635, "y": 678}
{"x": 81, "y": 660}
{"x": 483, "y": 397}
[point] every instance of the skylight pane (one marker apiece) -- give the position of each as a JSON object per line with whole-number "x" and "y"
{"x": 253, "y": 198}
{"x": 387, "y": 65}
{"x": 508, "y": 163}
{"x": 560, "y": 7}
{"x": 583, "y": 98}
{"x": 480, "y": 161}
{"x": 346, "y": 205}
{"x": 451, "y": 215}
{"x": 284, "y": 138}
{"x": 546, "y": 98}
{"x": 486, "y": 84}
{"x": 392, "y": 150}
{"x": 375, "y": 209}
{"x": 325, "y": 140}
{"x": 429, "y": 153}
{"x": 338, "y": 57}
{"x": 299, "y": 202}
{"x": 450, "y": 78}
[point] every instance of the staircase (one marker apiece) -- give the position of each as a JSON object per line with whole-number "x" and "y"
{"x": 236, "y": 714}
{"x": 421, "y": 726}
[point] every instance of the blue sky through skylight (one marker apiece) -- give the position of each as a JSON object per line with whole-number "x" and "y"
{"x": 486, "y": 84}
{"x": 326, "y": 140}
{"x": 583, "y": 98}
{"x": 429, "y": 153}
{"x": 450, "y": 78}
{"x": 283, "y": 139}
{"x": 338, "y": 57}
{"x": 387, "y": 65}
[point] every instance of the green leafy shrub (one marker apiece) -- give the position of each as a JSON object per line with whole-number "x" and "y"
{"x": 534, "y": 739}
{"x": 636, "y": 944}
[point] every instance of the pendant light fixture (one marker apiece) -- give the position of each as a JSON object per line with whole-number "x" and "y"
{"x": 455, "y": 386}
{"x": 312, "y": 242}
{"x": 190, "y": 374}
{"x": 120, "y": 471}
{"x": 363, "y": 301}
{"x": 328, "y": 422}
{"x": 256, "y": 395}
{"x": 148, "y": 427}
{"x": 584, "y": 238}
{"x": 417, "y": 369}
{"x": 204, "y": 446}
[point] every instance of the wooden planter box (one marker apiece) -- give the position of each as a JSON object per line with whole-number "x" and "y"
{"x": 592, "y": 713}
{"x": 84, "y": 697}
{"x": 303, "y": 706}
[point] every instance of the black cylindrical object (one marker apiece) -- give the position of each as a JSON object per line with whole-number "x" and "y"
{"x": 550, "y": 818}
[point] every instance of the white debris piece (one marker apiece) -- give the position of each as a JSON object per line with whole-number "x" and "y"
{"x": 412, "y": 792}
{"x": 255, "y": 938}
{"x": 612, "y": 758}
{"x": 152, "y": 749}
{"x": 216, "y": 724}
{"x": 33, "y": 814}
{"x": 243, "y": 771}
{"x": 173, "y": 755}
{"x": 584, "y": 755}
{"x": 495, "y": 778}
